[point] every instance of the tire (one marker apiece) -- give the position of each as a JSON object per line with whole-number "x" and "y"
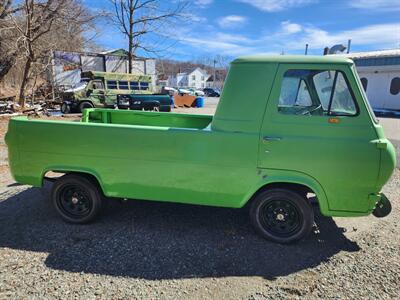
{"x": 65, "y": 108}
{"x": 76, "y": 199}
{"x": 84, "y": 105}
{"x": 281, "y": 215}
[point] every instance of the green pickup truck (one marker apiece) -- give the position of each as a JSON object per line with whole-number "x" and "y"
{"x": 286, "y": 127}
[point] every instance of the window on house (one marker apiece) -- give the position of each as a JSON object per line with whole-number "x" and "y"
{"x": 202, "y": 78}
{"x": 316, "y": 92}
{"x": 364, "y": 82}
{"x": 193, "y": 77}
{"x": 112, "y": 84}
{"x": 123, "y": 85}
{"x": 134, "y": 85}
{"x": 395, "y": 86}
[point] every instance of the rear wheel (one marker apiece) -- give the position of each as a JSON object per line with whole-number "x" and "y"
{"x": 85, "y": 105}
{"x": 281, "y": 215}
{"x": 76, "y": 198}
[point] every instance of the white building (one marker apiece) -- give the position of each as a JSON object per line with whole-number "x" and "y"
{"x": 379, "y": 72}
{"x": 67, "y": 66}
{"x": 195, "y": 79}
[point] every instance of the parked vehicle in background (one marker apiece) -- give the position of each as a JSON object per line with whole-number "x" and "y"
{"x": 210, "y": 92}
{"x": 285, "y": 127}
{"x": 197, "y": 92}
{"x": 190, "y": 91}
{"x": 380, "y": 76}
{"x": 100, "y": 89}
{"x": 158, "y": 102}
{"x": 168, "y": 90}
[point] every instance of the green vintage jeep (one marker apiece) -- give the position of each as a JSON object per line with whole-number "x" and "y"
{"x": 100, "y": 89}
{"x": 286, "y": 128}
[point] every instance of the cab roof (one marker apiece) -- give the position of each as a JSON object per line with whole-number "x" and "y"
{"x": 308, "y": 59}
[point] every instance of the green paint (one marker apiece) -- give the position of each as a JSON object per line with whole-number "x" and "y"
{"x": 221, "y": 160}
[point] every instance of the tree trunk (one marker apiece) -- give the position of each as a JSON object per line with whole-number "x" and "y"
{"x": 130, "y": 55}
{"x": 21, "y": 95}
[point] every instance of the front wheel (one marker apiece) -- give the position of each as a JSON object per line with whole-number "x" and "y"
{"x": 85, "y": 105}
{"x": 281, "y": 215}
{"x": 76, "y": 198}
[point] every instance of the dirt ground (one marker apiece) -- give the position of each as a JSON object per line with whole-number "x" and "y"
{"x": 150, "y": 250}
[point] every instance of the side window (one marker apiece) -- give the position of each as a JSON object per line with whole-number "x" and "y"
{"x": 144, "y": 85}
{"x": 112, "y": 84}
{"x": 323, "y": 82}
{"x": 395, "y": 86}
{"x": 342, "y": 101}
{"x": 98, "y": 85}
{"x": 123, "y": 85}
{"x": 294, "y": 93}
{"x": 134, "y": 85}
{"x": 303, "y": 95}
{"x": 364, "y": 82}
{"x": 316, "y": 92}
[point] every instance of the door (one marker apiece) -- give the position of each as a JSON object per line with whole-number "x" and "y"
{"x": 97, "y": 96}
{"x": 316, "y": 124}
{"x": 111, "y": 93}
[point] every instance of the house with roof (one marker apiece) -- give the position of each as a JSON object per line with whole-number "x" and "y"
{"x": 379, "y": 72}
{"x": 196, "y": 78}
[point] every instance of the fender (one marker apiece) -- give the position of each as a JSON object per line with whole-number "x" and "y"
{"x": 269, "y": 176}
{"x": 64, "y": 169}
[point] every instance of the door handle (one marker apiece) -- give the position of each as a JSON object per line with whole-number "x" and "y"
{"x": 271, "y": 138}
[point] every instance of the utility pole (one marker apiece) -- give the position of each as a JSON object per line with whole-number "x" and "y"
{"x": 214, "y": 61}
{"x": 306, "y": 51}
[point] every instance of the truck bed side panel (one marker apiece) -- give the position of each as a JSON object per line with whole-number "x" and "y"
{"x": 154, "y": 163}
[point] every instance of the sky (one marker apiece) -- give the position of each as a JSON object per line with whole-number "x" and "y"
{"x": 232, "y": 28}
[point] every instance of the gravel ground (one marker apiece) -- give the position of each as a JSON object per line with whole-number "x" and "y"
{"x": 168, "y": 251}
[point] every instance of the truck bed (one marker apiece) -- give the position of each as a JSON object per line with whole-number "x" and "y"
{"x": 143, "y": 118}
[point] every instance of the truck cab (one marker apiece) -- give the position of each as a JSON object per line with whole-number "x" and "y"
{"x": 100, "y": 89}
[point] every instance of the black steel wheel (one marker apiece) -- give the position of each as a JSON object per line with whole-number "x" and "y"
{"x": 76, "y": 198}
{"x": 281, "y": 215}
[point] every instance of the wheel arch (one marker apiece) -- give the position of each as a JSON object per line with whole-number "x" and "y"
{"x": 295, "y": 181}
{"x": 89, "y": 174}
{"x": 85, "y": 100}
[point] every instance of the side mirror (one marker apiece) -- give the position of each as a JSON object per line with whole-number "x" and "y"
{"x": 89, "y": 92}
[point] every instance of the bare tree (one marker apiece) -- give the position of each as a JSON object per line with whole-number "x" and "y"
{"x": 40, "y": 26}
{"x": 137, "y": 19}
{"x": 7, "y": 52}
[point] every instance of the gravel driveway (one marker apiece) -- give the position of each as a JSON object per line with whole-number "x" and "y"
{"x": 168, "y": 251}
